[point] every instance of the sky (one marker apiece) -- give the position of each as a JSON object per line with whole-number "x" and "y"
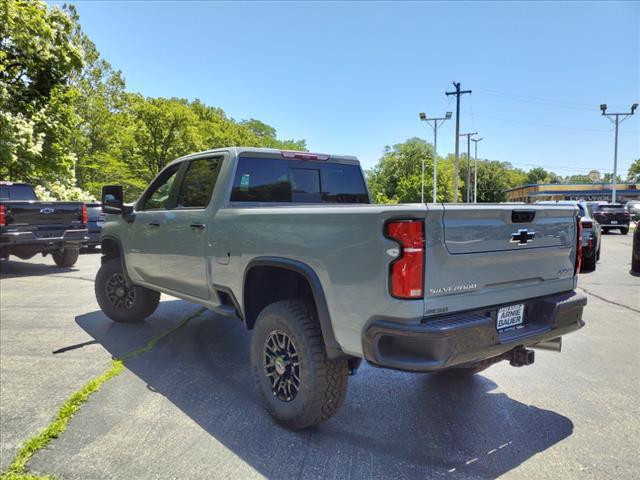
{"x": 351, "y": 78}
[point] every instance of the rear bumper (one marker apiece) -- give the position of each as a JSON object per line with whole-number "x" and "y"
{"x": 11, "y": 239}
{"x": 93, "y": 238}
{"x": 438, "y": 343}
{"x": 615, "y": 225}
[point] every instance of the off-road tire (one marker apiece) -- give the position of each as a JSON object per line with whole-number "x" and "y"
{"x": 624, "y": 231}
{"x": 136, "y": 303}
{"x": 323, "y": 382}
{"x": 470, "y": 368}
{"x": 589, "y": 263}
{"x": 66, "y": 257}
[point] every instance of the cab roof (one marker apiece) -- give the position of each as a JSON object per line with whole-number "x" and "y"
{"x": 274, "y": 153}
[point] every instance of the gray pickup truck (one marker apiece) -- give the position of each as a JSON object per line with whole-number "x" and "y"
{"x": 288, "y": 243}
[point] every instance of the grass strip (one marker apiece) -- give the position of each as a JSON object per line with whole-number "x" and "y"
{"x": 17, "y": 470}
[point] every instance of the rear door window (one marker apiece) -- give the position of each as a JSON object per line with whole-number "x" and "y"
{"x": 294, "y": 181}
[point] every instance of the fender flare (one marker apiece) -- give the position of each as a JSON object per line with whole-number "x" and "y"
{"x": 332, "y": 347}
{"x": 123, "y": 261}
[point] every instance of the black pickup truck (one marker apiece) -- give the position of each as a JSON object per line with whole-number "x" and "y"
{"x": 29, "y": 227}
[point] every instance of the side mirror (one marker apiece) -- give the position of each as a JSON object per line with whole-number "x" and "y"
{"x": 112, "y": 199}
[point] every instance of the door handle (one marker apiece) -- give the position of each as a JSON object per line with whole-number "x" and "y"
{"x": 198, "y": 226}
{"x": 157, "y": 225}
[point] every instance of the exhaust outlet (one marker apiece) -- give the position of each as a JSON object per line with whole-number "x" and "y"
{"x": 555, "y": 345}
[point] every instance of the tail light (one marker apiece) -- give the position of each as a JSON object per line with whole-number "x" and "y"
{"x": 3, "y": 216}
{"x": 407, "y": 271}
{"x": 587, "y": 225}
{"x": 578, "y": 264}
{"x": 85, "y": 217}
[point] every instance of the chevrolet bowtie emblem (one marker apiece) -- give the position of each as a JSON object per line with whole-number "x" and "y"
{"x": 522, "y": 236}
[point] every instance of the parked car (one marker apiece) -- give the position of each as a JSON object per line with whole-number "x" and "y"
{"x": 633, "y": 207}
{"x": 591, "y": 233}
{"x": 29, "y": 227}
{"x": 612, "y": 216}
{"x": 288, "y": 243}
{"x": 94, "y": 225}
{"x": 635, "y": 254}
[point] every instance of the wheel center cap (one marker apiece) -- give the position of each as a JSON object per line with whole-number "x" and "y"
{"x": 120, "y": 292}
{"x": 280, "y": 365}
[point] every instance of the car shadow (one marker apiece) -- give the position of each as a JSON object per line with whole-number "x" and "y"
{"x": 15, "y": 269}
{"x": 392, "y": 424}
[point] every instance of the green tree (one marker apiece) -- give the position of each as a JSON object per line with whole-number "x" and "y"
{"x": 579, "y": 179}
{"x": 634, "y": 171}
{"x": 495, "y": 177}
{"x": 38, "y": 53}
{"x": 537, "y": 175}
{"x": 397, "y": 176}
{"x": 608, "y": 178}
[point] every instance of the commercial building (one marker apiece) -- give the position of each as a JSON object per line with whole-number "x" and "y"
{"x": 585, "y": 191}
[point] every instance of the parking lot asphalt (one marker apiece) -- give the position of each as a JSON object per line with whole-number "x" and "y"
{"x": 187, "y": 408}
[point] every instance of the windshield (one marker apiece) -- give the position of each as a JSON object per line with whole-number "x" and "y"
{"x": 610, "y": 205}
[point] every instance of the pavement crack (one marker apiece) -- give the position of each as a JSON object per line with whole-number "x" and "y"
{"x": 609, "y": 301}
{"x": 18, "y": 468}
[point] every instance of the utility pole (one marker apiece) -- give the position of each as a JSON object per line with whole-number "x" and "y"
{"x": 619, "y": 118}
{"x": 457, "y": 93}
{"x": 468, "y": 184}
{"x": 475, "y": 169}
{"x": 435, "y": 126}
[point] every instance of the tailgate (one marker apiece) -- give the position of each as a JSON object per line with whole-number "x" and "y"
{"x": 483, "y": 255}
{"x": 33, "y": 214}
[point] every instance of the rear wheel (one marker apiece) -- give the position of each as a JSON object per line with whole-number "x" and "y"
{"x": 300, "y": 386}
{"x": 624, "y": 231}
{"x": 67, "y": 257}
{"x": 120, "y": 301}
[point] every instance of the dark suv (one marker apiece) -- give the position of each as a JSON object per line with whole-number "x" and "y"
{"x": 611, "y": 216}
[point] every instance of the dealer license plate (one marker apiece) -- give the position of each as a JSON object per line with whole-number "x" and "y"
{"x": 510, "y": 316}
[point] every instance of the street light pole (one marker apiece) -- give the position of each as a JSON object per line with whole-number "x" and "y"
{"x": 619, "y": 118}
{"x": 475, "y": 169}
{"x": 466, "y": 188}
{"x": 435, "y": 126}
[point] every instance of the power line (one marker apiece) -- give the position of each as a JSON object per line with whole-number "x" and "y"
{"x": 547, "y": 124}
{"x": 539, "y": 100}
{"x": 557, "y": 167}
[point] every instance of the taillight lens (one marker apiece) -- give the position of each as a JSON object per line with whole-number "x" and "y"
{"x": 578, "y": 248}
{"x": 85, "y": 217}
{"x": 407, "y": 271}
{"x": 3, "y": 216}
